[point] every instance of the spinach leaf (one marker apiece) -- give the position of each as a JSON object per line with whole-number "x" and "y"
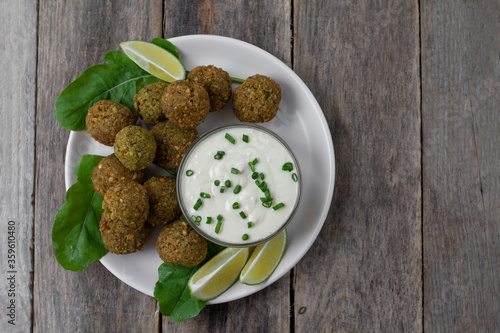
{"x": 75, "y": 234}
{"x": 172, "y": 291}
{"x": 118, "y": 80}
{"x": 165, "y": 44}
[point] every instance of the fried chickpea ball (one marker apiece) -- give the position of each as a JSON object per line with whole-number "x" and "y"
{"x": 106, "y": 118}
{"x": 119, "y": 241}
{"x": 135, "y": 147}
{"x": 257, "y": 99}
{"x": 179, "y": 244}
{"x": 147, "y": 103}
{"x": 163, "y": 204}
{"x": 110, "y": 172}
{"x": 126, "y": 206}
{"x": 172, "y": 143}
{"x": 216, "y": 81}
{"x": 186, "y": 104}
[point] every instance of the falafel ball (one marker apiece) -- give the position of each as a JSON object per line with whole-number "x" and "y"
{"x": 110, "y": 172}
{"x": 216, "y": 81}
{"x": 106, "y": 118}
{"x": 126, "y": 206}
{"x": 171, "y": 144}
{"x": 121, "y": 242}
{"x": 257, "y": 100}
{"x": 163, "y": 204}
{"x": 135, "y": 147}
{"x": 185, "y": 103}
{"x": 179, "y": 244}
{"x": 147, "y": 103}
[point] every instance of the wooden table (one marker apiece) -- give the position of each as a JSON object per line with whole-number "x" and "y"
{"x": 411, "y": 92}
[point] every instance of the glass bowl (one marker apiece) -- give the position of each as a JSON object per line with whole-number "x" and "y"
{"x": 182, "y": 174}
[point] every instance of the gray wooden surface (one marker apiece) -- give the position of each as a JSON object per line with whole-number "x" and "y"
{"x": 410, "y": 91}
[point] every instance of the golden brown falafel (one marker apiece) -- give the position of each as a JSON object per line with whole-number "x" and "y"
{"x": 179, "y": 244}
{"x": 106, "y": 118}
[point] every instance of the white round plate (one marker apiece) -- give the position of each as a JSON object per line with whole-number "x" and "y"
{"x": 300, "y": 122}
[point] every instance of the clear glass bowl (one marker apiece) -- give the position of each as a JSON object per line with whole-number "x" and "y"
{"x": 181, "y": 173}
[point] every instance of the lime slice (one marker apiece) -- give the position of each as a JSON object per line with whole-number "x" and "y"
{"x": 218, "y": 274}
{"x": 154, "y": 60}
{"x": 264, "y": 260}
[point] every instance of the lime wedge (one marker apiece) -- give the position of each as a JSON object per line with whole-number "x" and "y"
{"x": 264, "y": 260}
{"x": 218, "y": 274}
{"x": 154, "y": 60}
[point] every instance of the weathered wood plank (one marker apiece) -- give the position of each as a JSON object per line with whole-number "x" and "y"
{"x": 267, "y": 26}
{"x": 461, "y": 174}
{"x": 17, "y": 173}
{"x": 73, "y": 36}
{"x": 361, "y": 61}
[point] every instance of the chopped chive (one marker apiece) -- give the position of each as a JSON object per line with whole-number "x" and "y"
{"x": 255, "y": 161}
{"x": 189, "y": 173}
{"x": 245, "y": 138}
{"x": 295, "y": 178}
{"x": 288, "y": 166}
{"x": 205, "y": 195}
{"x": 257, "y": 183}
{"x": 221, "y": 152}
{"x": 219, "y": 217}
{"x": 222, "y": 189}
{"x": 261, "y": 176}
{"x": 255, "y": 175}
{"x": 209, "y": 220}
{"x": 235, "y": 171}
{"x": 267, "y": 194}
{"x": 278, "y": 206}
{"x": 237, "y": 189}
{"x": 218, "y": 226}
{"x": 263, "y": 186}
{"x": 302, "y": 310}
{"x": 218, "y": 156}
{"x": 249, "y": 224}
{"x": 251, "y": 166}
{"x": 183, "y": 218}
{"x": 198, "y": 204}
{"x": 244, "y": 237}
{"x": 267, "y": 204}
{"x": 236, "y": 205}
{"x": 196, "y": 219}
{"x": 217, "y": 182}
{"x": 230, "y": 138}
{"x": 266, "y": 199}
{"x": 243, "y": 215}
{"x": 228, "y": 183}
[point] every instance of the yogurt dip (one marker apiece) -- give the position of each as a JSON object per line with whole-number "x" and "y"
{"x": 238, "y": 185}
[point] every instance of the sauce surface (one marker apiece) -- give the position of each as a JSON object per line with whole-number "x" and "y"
{"x": 270, "y": 155}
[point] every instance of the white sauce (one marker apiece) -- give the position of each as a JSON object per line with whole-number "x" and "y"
{"x": 271, "y": 155}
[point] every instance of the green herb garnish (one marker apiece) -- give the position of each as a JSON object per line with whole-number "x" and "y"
{"x": 230, "y": 138}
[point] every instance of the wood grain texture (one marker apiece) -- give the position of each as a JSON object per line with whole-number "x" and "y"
{"x": 461, "y": 174}
{"x": 72, "y": 37}
{"x": 361, "y": 61}
{"x": 17, "y": 173}
{"x": 266, "y": 25}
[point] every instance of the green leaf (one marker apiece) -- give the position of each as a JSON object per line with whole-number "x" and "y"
{"x": 165, "y": 44}
{"x": 172, "y": 291}
{"x": 75, "y": 234}
{"x": 118, "y": 80}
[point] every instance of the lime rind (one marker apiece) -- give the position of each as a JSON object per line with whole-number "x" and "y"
{"x": 151, "y": 66}
{"x": 197, "y": 283}
{"x": 254, "y": 259}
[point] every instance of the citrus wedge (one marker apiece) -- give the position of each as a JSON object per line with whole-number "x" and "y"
{"x": 154, "y": 60}
{"x": 218, "y": 274}
{"x": 264, "y": 260}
